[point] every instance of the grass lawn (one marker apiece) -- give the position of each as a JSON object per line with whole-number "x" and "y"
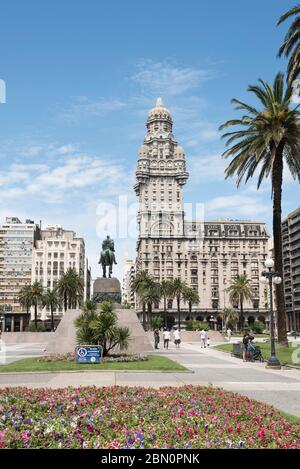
{"x": 284, "y": 354}
{"x": 154, "y": 362}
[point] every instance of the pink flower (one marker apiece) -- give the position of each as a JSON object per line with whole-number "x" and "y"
{"x": 179, "y": 433}
{"x": 230, "y": 430}
{"x": 25, "y": 437}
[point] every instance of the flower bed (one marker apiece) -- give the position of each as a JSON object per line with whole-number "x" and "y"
{"x": 122, "y": 417}
{"x": 70, "y": 357}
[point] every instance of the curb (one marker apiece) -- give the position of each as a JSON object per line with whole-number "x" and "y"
{"x": 17, "y": 373}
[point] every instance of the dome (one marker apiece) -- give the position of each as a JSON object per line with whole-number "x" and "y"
{"x": 159, "y": 111}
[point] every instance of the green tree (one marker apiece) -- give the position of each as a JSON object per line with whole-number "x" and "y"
{"x": 291, "y": 44}
{"x": 150, "y": 294}
{"x": 264, "y": 140}
{"x": 100, "y": 327}
{"x": 178, "y": 288}
{"x": 141, "y": 282}
{"x": 70, "y": 289}
{"x": 191, "y": 297}
{"x": 230, "y": 316}
{"x": 51, "y": 301}
{"x": 25, "y": 297}
{"x": 239, "y": 291}
{"x": 37, "y": 295}
{"x": 166, "y": 292}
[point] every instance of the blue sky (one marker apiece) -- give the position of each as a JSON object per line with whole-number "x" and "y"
{"x": 81, "y": 76}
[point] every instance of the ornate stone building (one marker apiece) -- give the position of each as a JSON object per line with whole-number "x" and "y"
{"x": 207, "y": 254}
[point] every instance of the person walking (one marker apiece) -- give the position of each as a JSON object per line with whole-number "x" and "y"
{"x": 246, "y": 340}
{"x": 229, "y": 332}
{"x": 156, "y": 337}
{"x": 177, "y": 338}
{"x": 203, "y": 338}
{"x": 166, "y": 337}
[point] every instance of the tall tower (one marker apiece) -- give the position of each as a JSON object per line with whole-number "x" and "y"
{"x": 160, "y": 175}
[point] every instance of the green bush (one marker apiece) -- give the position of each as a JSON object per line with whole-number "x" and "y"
{"x": 157, "y": 322}
{"x": 258, "y": 327}
{"x": 40, "y": 327}
{"x": 192, "y": 325}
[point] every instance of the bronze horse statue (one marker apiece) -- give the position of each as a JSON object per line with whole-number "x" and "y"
{"x": 107, "y": 256}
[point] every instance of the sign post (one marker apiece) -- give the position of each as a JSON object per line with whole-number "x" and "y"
{"x": 88, "y": 353}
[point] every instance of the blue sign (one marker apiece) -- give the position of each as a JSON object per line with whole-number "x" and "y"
{"x": 88, "y": 353}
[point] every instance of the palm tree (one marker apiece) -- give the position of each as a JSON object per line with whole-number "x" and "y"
{"x": 141, "y": 282}
{"x": 240, "y": 291}
{"x": 25, "y": 297}
{"x": 178, "y": 288}
{"x": 229, "y": 316}
{"x": 264, "y": 140}
{"x": 191, "y": 296}
{"x": 166, "y": 292}
{"x": 150, "y": 294}
{"x": 70, "y": 289}
{"x": 291, "y": 43}
{"x": 37, "y": 294}
{"x": 51, "y": 301}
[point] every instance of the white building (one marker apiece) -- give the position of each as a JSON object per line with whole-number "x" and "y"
{"x": 54, "y": 254}
{"x": 17, "y": 241}
{"x": 208, "y": 254}
{"x": 128, "y": 295}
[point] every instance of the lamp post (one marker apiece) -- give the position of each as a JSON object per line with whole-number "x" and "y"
{"x": 269, "y": 277}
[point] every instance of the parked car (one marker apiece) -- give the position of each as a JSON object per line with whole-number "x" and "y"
{"x": 292, "y": 334}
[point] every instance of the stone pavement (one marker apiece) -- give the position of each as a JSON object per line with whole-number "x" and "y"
{"x": 280, "y": 388}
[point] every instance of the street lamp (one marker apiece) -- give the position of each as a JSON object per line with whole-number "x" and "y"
{"x": 269, "y": 277}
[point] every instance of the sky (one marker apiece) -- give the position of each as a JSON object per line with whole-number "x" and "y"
{"x": 80, "y": 78}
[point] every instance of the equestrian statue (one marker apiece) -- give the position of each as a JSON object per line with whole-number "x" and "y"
{"x": 107, "y": 257}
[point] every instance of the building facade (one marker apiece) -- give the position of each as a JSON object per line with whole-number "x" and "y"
{"x": 128, "y": 295}
{"x": 55, "y": 252}
{"x": 17, "y": 241}
{"x": 291, "y": 268}
{"x": 207, "y": 254}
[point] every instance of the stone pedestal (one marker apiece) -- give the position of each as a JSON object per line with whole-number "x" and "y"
{"x": 107, "y": 289}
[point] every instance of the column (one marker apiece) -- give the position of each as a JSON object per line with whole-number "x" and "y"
{"x": 21, "y": 324}
{"x": 12, "y": 324}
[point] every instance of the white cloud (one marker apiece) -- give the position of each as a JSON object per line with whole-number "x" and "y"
{"x": 206, "y": 168}
{"x": 83, "y": 108}
{"x": 239, "y": 204}
{"x": 165, "y": 79}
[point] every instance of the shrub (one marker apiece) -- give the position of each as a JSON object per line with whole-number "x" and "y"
{"x": 258, "y": 327}
{"x": 157, "y": 322}
{"x": 192, "y": 325}
{"x": 100, "y": 327}
{"x": 40, "y": 327}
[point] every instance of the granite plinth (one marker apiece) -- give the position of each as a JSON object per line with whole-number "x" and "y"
{"x": 107, "y": 289}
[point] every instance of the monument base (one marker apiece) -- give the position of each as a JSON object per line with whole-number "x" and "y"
{"x": 107, "y": 289}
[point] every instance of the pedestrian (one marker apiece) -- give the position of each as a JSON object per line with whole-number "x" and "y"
{"x": 166, "y": 337}
{"x": 246, "y": 340}
{"x": 203, "y": 338}
{"x": 208, "y": 342}
{"x": 229, "y": 333}
{"x": 177, "y": 338}
{"x": 156, "y": 337}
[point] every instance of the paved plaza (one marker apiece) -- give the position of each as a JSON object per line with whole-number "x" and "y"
{"x": 280, "y": 388}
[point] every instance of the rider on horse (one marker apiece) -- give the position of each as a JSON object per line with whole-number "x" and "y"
{"x": 107, "y": 257}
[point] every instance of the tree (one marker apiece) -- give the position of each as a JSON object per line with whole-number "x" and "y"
{"x": 70, "y": 289}
{"x": 51, "y": 301}
{"x": 264, "y": 140}
{"x": 178, "y": 288}
{"x": 25, "y": 297}
{"x": 100, "y": 327}
{"x": 239, "y": 291}
{"x": 291, "y": 44}
{"x": 141, "y": 282}
{"x": 37, "y": 294}
{"x": 166, "y": 292}
{"x": 191, "y": 296}
{"x": 230, "y": 316}
{"x": 150, "y": 294}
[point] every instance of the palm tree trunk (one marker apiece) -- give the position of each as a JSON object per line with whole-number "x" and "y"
{"x": 277, "y": 191}
{"x": 190, "y": 309}
{"x": 149, "y": 315}
{"x": 35, "y": 315}
{"x": 65, "y": 301}
{"x": 144, "y": 317}
{"x": 178, "y": 311}
{"x": 241, "y": 318}
{"x": 165, "y": 310}
{"x": 52, "y": 318}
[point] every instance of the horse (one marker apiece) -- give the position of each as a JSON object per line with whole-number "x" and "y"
{"x": 107, "y": 259}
